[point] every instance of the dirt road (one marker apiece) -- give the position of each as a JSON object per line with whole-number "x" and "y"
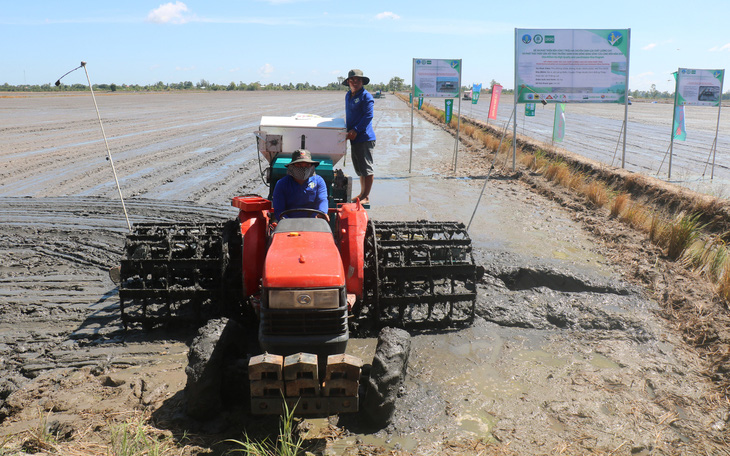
{"x": 570, "y": 355}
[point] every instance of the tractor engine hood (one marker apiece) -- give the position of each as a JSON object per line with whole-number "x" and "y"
{"x": 303, "y": 259}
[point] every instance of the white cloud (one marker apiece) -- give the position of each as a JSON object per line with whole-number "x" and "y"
{"x": 649, "y": 47}
{"x": 169, "y": 13}
{"x": 266, "y": 69}
{"x": 720, "y": 49}
{"x": 387, "y": 15}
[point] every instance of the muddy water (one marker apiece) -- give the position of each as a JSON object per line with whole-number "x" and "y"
{"x": 562, "y": 348}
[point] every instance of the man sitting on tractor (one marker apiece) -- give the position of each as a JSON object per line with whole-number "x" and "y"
{"x": 301, "y": 188}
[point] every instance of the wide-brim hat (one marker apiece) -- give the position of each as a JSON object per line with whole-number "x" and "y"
{"x": 356, "y": 72}
{"x": 302, "y": 156}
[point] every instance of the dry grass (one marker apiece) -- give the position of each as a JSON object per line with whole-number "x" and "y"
{"x": 618, "y": 204}
{"x": 723, "y": 285}
{"x": 596, "y": 193}
{"x": 683, "y": 232}
{"x": 637, "y": 216}
{"x": 658, "y": 230}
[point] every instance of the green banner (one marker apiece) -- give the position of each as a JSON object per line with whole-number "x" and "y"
{"x": 449, "y": 109}
{"x": 474, "y": 97}
{"x": 530, "y": 109}
{"x": 680, "y": 132}
{"x": 559, "y": 122}
{"x": 420, "y": 102}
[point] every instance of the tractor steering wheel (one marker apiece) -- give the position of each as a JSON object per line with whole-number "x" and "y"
{"x": 304, "y": 209}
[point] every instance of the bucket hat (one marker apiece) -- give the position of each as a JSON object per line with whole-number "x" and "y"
{"x": 359, "y": 73}
{"x": 302, "y": 156}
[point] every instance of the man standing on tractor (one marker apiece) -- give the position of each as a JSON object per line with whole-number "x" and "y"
{"x": 359, "y": 111}
{"x": 301, "y": 188}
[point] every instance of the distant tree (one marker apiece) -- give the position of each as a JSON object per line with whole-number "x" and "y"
{"x": 395, "y": 84}
{"x": 231, "y": 86}
{"x": 113, "y": 87}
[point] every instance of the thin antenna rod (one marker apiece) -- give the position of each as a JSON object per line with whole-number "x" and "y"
{"x": 108, "y": 152}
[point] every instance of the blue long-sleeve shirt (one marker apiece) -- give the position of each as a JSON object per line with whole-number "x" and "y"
{"x": 359, "y": 112}
{"x": 289, "y": 194}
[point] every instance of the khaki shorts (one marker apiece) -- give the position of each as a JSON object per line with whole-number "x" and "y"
{"x": 362, "y": 157}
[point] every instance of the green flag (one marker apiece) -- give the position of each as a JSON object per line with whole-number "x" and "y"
{"x": 530, "y": 109}
{"x": 449, "y": 109}
{"x": 559, "y": 123}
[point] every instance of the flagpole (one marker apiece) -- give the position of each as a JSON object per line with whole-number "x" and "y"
{"x": 717, "y": 128}
{"x": 674, "y": 116}
{"x": 413, "y": 100}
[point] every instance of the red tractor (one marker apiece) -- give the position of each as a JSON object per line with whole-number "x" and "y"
{"x": 282, "y": 299}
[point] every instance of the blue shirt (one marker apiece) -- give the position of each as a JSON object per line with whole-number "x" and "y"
{"x": 359, "y": 111}
{"x": 289, "y": 194}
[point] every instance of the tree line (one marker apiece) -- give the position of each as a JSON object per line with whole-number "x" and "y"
{"x": 395, "y": 84}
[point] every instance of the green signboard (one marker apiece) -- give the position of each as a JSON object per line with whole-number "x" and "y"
{"x": 572, "y": 65}
{"x": 437, "y": 77}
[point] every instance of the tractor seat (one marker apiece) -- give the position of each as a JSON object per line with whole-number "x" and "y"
{"x": 316, "y": 225}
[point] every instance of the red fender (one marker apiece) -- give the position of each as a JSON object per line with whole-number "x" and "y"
{"x": 254, "y": 219}
{"x": 351, "y": 226}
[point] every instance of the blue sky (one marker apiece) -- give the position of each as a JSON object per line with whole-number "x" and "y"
{"x": 282, "y": 41}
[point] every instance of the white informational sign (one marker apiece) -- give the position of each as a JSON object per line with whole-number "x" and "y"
{"x": 437, "y": 77}
{"x": 699, "y": 87}
{"x": 571, "y": 65}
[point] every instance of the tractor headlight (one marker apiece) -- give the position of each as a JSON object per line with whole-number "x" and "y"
{"x": 304, "y": 299}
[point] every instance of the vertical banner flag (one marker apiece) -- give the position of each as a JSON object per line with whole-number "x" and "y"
{"x": 476, "y": 89}
{"x": 410, "y": 98}
{"x": 494, "y": 101}
{"x": 530, "y": 109}
{"x": 420, "y": 102}
{"x": 680, "y": 132}
{"x": 449, "y": 109}
{"x": 559, "y": 123}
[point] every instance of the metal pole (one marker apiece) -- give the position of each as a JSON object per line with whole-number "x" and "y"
{"x": 413, "y": 99}
{"x": 617, "y": 142}
{"x": 108, "y": 152}
{"x": 717, "y": 129}
{"x": 458, "y": 127}
{"x": 514, "y": 126}
{"x": 626, "y": 103}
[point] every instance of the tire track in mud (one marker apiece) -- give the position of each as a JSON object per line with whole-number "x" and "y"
{"x": 58, "y": 306}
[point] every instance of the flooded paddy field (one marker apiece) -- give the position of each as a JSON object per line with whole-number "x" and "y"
{"x": 569, "y": 353}
{"x": 596, "y": 131}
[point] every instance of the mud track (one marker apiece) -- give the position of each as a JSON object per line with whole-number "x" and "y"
{"x": 574, "y": 351}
